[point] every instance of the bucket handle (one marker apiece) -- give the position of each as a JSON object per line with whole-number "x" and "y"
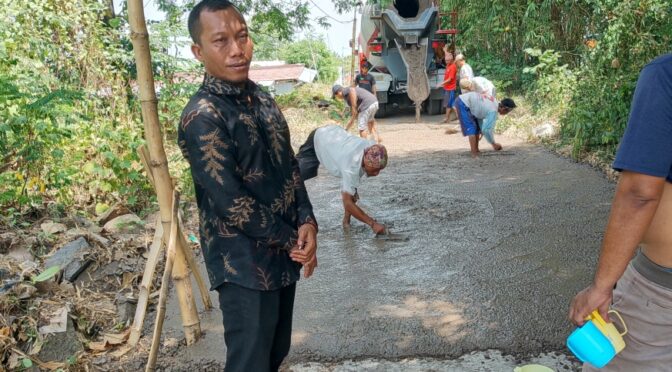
{"x": 625, "y": 327}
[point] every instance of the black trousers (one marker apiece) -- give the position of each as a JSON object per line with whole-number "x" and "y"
{"x": 307, "y": 158}
{"x": 257, "y": 327}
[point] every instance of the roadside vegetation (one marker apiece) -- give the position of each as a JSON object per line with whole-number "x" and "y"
{"x": 575, "y": 63}
{"x": 70, "y": 119}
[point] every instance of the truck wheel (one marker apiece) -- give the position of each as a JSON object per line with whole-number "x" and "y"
{"x": 382, "y": 111}
{"x": 434, "y": 106}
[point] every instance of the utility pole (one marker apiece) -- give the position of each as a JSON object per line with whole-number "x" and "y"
{"x": 354, "y": 45}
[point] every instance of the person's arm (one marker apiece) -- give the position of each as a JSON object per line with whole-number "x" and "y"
{"x": 353, "y": 108}
{"x": 634, "y": 205}
{"x": 213, "y": 166}
{"x": 488, "y": 127}
{"x": 452, "y": 75}
{"x": 307, "y": 240}
{"x": 350, "y": 206}
{"x": 448, "y": 77}
{"x": 307, "y": 225}
{"x": 645, "y": 158}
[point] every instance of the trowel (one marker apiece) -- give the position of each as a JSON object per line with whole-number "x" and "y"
{"x": 388, "y": 235}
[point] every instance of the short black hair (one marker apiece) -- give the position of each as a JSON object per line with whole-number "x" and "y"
{"x": 194, "y": 22}
{"x": 508, "y": 103}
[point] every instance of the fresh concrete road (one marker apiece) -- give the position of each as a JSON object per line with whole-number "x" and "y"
{"x": 498, "y": 246}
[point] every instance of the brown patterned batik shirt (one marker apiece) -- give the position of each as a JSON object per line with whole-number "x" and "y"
{"x": 249, "y": 192}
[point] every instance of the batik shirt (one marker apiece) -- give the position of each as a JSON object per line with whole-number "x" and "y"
{"x": 249, "y": 192}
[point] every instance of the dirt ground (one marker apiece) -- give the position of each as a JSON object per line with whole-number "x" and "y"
{"x": 498, "y": 246}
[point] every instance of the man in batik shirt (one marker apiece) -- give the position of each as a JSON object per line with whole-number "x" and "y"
{"x": 256, "y": 222}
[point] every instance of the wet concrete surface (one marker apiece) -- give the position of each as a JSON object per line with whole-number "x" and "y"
{"x": 498, "y": 246}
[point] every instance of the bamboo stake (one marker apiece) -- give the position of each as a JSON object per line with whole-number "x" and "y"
{"x": 165, "y": 284}
{"x": 143, "y": 153}
{"x": 191, "y": 262}
{"x": 151, "y": 266}
{"x": 185, "y": 297}
{"x": 146, "y": 285}
{"x": 159, "y": 163}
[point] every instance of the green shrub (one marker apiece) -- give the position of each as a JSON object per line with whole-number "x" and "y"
{"x": 554, "y": 83}
{"x": 505, "y": 76}
{"x": 70, "y": 121}
{"x": 631, "y": 33}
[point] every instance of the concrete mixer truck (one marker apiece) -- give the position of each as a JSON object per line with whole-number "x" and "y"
{"x": 401, "y": 41}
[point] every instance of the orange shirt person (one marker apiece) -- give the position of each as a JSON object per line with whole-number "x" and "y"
{"x": 449, "y": 85}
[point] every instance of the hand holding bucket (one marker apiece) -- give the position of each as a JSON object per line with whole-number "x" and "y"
{"x": 597, "y": 342}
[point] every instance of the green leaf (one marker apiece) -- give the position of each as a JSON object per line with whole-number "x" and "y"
{"x": 46, "y": 274}
{"x": 115, "y": 22}
{"x": 71, "y": 360}
{"x": 105, "y": 186}
{"x": 26, "y": 363}
{"x": 101, "y": 208}
{"x": 88, "y": 167}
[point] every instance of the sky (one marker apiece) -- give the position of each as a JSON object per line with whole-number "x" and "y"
{"x": 337, "y": 36}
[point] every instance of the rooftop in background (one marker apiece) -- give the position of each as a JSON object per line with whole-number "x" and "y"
{"x": 267, "y": 63}
{"x": 281, "y": 72}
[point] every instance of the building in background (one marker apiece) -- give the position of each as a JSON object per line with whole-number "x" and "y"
{"x": 279, "y": 77}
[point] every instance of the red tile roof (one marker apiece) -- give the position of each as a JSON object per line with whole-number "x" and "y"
{"x": 273, "y": 73}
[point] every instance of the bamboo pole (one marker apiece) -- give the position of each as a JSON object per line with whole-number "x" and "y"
{"x": 150, "y": 267}
{"x": 143, "y": 154}
{"x": 354, "y": 47}
{"x": 159, "y": 163}
{"x": 165, "y": 284}
{"x": 191, "y": 262}
{"x": 146, "y": 285}
{"x": 190, "y": 321}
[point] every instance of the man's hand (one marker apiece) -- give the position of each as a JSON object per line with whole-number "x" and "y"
{"x": 349, "y": 125}
{"x": 378, "y": 228}
{"x": 309, "y": 267}
{"x": 588, "y": 300}
{"x": 306, "y": 246}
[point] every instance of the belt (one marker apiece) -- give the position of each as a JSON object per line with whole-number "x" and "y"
{"x": 652, "y": 271}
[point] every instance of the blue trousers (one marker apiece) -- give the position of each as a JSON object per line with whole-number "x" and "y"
{"x": 468, "y": 122}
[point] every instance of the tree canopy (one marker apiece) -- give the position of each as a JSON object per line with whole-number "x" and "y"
{"x": 314, "y": 54}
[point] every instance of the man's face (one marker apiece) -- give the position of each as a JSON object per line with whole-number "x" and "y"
{"x": 225, "y": 48}
{"x": 339, "y": 95}
{"x": 365, "y": 70}
{"x": 371, "y": 171}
